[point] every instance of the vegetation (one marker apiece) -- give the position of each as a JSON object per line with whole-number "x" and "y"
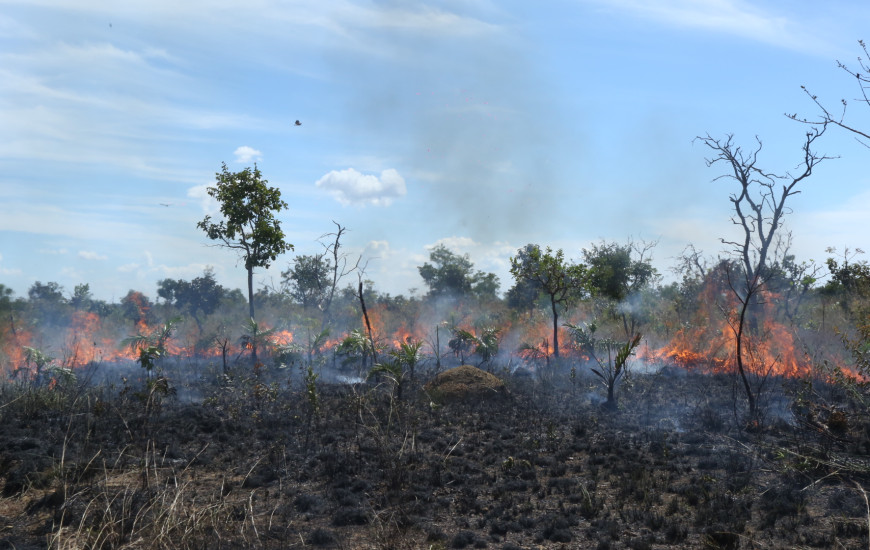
{"x": 341, "y": 436}
{"x": 248, "y": 206}
{"x": 560, "y": 280}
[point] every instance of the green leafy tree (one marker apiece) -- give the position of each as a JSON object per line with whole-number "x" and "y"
{"x": 308, "y": 281}
{"x": 560, "y": 280}
{"x": 5, "y": 297}
{"x": 249, "y": 225}
{"x": 849, "y": 282}
{"x": 618, "y": 273}
{"x": 451, "y": 275}
{"x": 198, "y": 298}
{"x": 50, "y": 292}
{"x": 48, "y": 303}
{"x": 82, "y": 297}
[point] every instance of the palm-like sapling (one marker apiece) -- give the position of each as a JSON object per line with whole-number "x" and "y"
{"x": 403, "y": 361}
{"x": 150, "y": 348}
{"x": 610, "y": 367}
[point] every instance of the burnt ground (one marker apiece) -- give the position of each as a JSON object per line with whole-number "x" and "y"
{"x": 250, "y": 462}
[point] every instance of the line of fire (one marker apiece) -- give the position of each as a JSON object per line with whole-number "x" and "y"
{"x": 796, "y": 325}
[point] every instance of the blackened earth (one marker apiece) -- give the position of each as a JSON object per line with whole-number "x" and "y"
{"x": 228, "y": 461}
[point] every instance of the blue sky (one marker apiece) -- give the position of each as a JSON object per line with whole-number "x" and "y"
{"x": 478, "y": 124}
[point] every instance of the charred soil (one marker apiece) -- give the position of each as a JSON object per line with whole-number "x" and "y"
{"x": 257, "y": 461}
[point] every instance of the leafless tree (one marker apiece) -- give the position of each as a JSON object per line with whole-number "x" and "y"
{"x": 341, "y": 267}
{"x": 759, "y": 205}
{"x": 826, "y": 116}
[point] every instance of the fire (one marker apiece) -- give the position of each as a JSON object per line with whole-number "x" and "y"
{"x": 706, "y": 342}
{"x": 709, "y": 342}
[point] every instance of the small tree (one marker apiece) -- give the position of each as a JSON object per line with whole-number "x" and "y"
{"x": 255, "y": 336}
{"x": 617, "y": 274}
{"x": 558, "y": 279}
{"x": 452, "y": 275}
{"x": 151, "y": 348}
{"x": 356, "y": 347}
{"x": 610, "y": 356}
{"x": 199, "y": 297}
{"x": 759, "y": 204}
{"x": 307, "y": 281}
{"x": 461, "y": 343}
{"x": 401, "y": 365}
{"x": 249, "y": 225}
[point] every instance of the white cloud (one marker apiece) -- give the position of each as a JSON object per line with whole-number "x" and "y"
{"x": 59, "y": 251}
{"x": 247, "y": 154}
{"x": 128, "y": 268}
{"x": 90, "y": 255}
{"x": 5, "y": 271}
{"x": 352, "y": 187}
{"x": 200, "y": 192}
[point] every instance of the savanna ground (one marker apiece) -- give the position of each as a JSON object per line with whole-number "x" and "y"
{"x": 203, "y": 459}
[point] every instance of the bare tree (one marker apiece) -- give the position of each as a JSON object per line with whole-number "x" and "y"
{"x": 314, "y": 279}
{"x": 340, "y": 268}
{"x": 759, "y": 205}
{"x": 826, "y": 117}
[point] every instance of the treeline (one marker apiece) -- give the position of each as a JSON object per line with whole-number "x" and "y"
{"x": 611, "y": 285}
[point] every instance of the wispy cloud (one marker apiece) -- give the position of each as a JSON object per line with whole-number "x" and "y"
{"x": 352, "y": 187}
{"x": 736, "y": 17}
{"x": 90, "y": 255}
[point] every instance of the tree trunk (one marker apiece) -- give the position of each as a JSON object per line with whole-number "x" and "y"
{"x": 750, "y": 396}
{"x": 362, "y": 304}
{"x": 555, "y": 327}
{"x": 251, "y": 311}
{"x": 611, "y": 399}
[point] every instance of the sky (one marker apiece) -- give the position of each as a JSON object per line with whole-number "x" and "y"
{"x": 482, "y": 125}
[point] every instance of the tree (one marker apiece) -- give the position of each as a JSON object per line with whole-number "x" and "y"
{"x": 308, "y": 280}
{"x": 49, "y": 293}
{"x": 199, "y": 297}
{"x": 451, "y": 275}
{"x": 136, "y": 307}
{"x": 849, "y": 282}
{"x": 826, "y": 117}
{"x": 249, "y": 226}
{"x": 401, "y": 365}
{"x": 82, "y": 297}
{"x": 5, "y": 297}
{"x": 48, "y": 303}
{"x": 558, "y": 279}
{"x": 610, "y": 356}
{"x": 614, "y": 273}
{"x": 759, "y": 205}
